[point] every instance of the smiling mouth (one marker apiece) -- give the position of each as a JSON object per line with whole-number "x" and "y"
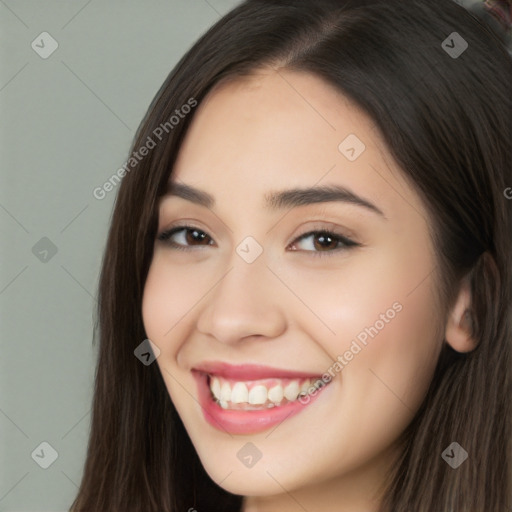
{"x": 247, "y": 398}
{"x": 257, "y": 395}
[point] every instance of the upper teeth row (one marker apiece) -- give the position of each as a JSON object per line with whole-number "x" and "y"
{"x": 259, "y": 394}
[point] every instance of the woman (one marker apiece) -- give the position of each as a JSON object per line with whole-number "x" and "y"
{"x": 317, "y": 242}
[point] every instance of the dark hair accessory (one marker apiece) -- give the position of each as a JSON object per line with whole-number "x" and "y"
{"x": 497, "y": 15}
{"x": 502, "y": 11}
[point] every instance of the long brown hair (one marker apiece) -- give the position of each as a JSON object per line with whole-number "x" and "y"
{"x": 447, "y": 122}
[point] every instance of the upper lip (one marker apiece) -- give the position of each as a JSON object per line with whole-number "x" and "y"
{"x": 249, "y": 371}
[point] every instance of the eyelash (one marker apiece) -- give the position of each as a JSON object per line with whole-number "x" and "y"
{"x": 348, "y": 243}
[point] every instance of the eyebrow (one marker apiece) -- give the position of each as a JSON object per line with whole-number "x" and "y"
{"x": 283, "y": 199}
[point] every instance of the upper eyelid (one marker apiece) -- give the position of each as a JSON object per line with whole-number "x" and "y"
{"x": 317, "y": 225}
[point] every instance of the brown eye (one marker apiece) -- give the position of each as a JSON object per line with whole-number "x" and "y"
{"x": 184, "y": 236}
{"x": 323, "y": 242}
{"x": 315, "y": 243}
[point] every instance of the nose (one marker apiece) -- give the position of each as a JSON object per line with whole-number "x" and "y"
{"x": 244, "y": 303}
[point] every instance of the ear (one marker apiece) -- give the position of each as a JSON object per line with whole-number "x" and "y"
{"x": 458, "y": 331}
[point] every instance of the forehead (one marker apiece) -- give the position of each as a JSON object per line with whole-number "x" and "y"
{"x": 281, "y": 129}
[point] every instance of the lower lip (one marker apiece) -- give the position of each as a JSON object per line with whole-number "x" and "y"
{"x": 244, "y": 422}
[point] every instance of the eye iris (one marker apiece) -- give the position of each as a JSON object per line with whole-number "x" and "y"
{"x": 194, "y": 235}
{"x": 322, "y": 239}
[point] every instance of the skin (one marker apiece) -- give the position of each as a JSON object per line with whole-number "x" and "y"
{"x": 289, "y": 309}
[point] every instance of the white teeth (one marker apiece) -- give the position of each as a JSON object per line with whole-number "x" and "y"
{"x": 240, "y": 393}
{"x": 291, "y": 391}
{"x": 225, "y": 392}
{"x": 276, "y": 394}
{"x": 258, "y": 395}
{"x": 215, "y": 387}
{"x": 305, "y": 387}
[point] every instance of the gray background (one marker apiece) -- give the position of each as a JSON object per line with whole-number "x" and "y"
{"x": 67, "y": 122}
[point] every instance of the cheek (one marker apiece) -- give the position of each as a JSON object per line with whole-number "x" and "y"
{"x": 402, "y": 357}
{"x": 168, "y": 298}
{"x": 382, "y": 322}
{"x": 385, "y": 383}
{"x": 388, "y": 379}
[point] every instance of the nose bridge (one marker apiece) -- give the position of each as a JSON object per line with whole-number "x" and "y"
{"x": 246, "y": 278}
{"x": 243, "y": 302}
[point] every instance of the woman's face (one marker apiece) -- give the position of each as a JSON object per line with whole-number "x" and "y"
{"x": 257, "y": 302}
